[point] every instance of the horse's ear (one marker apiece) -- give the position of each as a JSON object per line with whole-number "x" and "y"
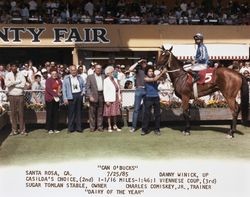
{"x": 163, "y": 48}
{"x": 171, "y": 48}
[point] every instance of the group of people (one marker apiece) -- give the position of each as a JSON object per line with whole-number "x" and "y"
{"x": 103, "y": 92}
{"x": 101, "y": 89}
{"x": 124, "y": 12}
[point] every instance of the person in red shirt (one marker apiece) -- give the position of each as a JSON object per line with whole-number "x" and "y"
{"x": 53, "y": 89}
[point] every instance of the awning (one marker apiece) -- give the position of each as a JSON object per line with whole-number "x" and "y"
{"x": 215, "y": 51}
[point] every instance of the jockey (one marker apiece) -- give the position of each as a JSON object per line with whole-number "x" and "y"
{"x": 201, "y": 59}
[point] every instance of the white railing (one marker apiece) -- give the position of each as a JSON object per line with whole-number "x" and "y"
{"x": 32, "y": 96}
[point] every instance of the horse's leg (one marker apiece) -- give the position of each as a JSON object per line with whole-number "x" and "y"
{"x": 186, "y": 114}
{"x": 235, "y": 109}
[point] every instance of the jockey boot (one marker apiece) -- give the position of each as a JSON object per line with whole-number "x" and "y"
{"x": 195, "y": 75}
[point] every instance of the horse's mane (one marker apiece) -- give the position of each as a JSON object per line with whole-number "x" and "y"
{"x": 179, "y": 62}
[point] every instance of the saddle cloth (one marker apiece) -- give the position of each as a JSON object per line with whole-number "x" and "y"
{"x": 206, "y": 76}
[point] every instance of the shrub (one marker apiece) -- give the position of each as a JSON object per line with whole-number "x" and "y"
{"x": 217, "y": 104}
{"x": 35, "y": 107}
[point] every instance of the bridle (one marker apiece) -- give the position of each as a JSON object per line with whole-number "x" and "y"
{"x": 168, "y": 63}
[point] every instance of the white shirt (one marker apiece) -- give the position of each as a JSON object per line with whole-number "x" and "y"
{"x": 75, "y": 85}
{"x": 99, "y": 82}
{"x": 33, "y": 5}
{"x": 243, "y": 69}
{"x": 25, "y": 12}
{"x": 29, "y": 73}
{"x": 121, "y": 78}
{"x": 109, "y": 91}
{"x": 15, "y": 84}
{"x": 13, "y": 5}
{"x": 90, "y": 71}
{"x": 84, "y": 77}
{"x": 3, "y": 73}
{"x": 89, "y": 7}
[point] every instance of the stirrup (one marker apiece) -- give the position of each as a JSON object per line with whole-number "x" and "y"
{"x": 196, "y": 78}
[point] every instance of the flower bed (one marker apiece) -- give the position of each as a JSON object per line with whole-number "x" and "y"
{"x": 197, "y": 103}
{"x": 199, "y": 110}
{"x": 196, "y": 114}
{"x": 35, "y": 107}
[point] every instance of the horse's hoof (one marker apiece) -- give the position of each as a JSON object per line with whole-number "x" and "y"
{"x": 186, "y": 133}
{"x": 229, "y": 136}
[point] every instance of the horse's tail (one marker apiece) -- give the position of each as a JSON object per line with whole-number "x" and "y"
{"x": 244, "y": 100}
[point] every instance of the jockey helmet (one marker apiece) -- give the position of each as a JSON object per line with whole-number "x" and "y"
{"x": 198, "y": 36}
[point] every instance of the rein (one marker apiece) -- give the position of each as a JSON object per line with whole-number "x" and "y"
{"x": 172, "y": 71}
{"x": 169, "y": 65}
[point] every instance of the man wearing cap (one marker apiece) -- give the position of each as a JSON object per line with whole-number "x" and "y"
{"x": 15, "y": 82}
{"x": 120, "y": 75}
{"x": 201, "y": 59}
{"x": 91, "y": 69}
{"x": 140, "y": 92}
{"x": 44, "y": 76}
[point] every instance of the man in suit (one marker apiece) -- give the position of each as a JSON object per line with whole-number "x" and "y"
{"x": 94, "y": 93}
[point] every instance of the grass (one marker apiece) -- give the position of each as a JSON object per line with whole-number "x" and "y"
{"x": 206, "y": 141}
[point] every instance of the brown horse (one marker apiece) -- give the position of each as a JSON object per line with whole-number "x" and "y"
{"x": 228, "y": 81}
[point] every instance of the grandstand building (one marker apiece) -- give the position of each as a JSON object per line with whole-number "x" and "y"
{"x": 121, "y": 37}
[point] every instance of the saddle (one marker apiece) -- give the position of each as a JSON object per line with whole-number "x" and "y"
{"x": 206, "y": 76}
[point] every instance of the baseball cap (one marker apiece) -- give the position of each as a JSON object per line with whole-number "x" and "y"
{"x": 44, "y": 70}
{"x": 37, "y": 74}
{"x": 150, "y": 63}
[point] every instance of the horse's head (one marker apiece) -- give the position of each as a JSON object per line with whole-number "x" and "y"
{"x": 164, "y": 58}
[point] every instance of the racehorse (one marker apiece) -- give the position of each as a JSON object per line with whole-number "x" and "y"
{"x": 226, "y": 80}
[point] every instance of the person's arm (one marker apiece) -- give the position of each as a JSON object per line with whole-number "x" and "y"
{"x": 88, "y": 86}
{"x": 119, "y": 91}
{"x": 204, "y": 55}
{"x": 59, "y": 93}
{"x": 9, "y": 81}
{"x": 105, "y": 90}
{"x": 22, "y": 81}
{"x": 88, "y": 89}
{"x": 131, "y": 68}
{"x": 156, "y": 78}
{"x": 83, "y": 86}
{"x": 64, "y": 92}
